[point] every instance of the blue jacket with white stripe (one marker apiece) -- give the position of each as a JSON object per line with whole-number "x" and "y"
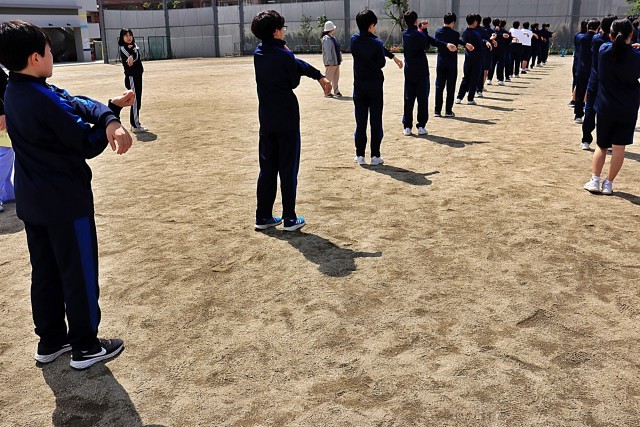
{"x": 52, "y": 137}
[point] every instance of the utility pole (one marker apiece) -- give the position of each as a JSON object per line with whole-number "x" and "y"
{"x": 103, "y": 33}
{"x": 216, "y": 32}
{"x": 167, "y": 28}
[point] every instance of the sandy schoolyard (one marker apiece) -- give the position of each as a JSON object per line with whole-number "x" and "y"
{"x": 470, "y": 281}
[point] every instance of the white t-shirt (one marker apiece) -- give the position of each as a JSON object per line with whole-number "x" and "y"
{"x": 517, "y": 34}
{"x": 527, "y": 35}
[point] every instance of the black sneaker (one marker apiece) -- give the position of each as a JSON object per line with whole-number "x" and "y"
{"x": 450, "y": 114}
{"x": 48, "y": 354}
{"x": 437, "y": 114}
{"x": 105, "y": 350}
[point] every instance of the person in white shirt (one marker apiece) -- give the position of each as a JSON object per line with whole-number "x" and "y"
{"x": 516, "y": 48}
{"x": 527, "y": 35}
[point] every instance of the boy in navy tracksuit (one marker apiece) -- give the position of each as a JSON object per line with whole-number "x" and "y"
{"x": 416, "y": 71}
{"x": 499, "y": 53}
{"x": 52, "y": 138}
{"x": 472, "y": 60}
{"x": 617, "y": 103}
{"x": 278, "y": 72}
{"x": 584, "y": 67}
{"x": 486, "y": 33}
{"x": 368, "y": 60}
{"x": 589, "y": 121}
{"x": 447, "y": 67}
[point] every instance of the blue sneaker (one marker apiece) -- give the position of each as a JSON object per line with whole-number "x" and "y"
{"x": 294, "y": 224}
{"x": 263, "y": 224}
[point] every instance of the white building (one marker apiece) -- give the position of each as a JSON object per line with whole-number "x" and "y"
{"x": 71, "y": 24}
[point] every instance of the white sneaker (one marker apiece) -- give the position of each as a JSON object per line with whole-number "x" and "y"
{"x": 500, "y": 83}
{"x": 578, "y": 120}
{"x": 458, "y": 101}
{"x": 489, "y": 82}
{"x": 607, "y": 187}
{"x": 138, "y": 129}
{"x": 422, "y": 131}
{"x": 479, "y": 95}
{"x": 360, "y": 160}
{"x": 472, "y": 103}
{"x": 584, "y": 146}
{"x": 406, "y": 131}
{"x": 1, "y": 207}
{"x": 593, "y": 186}
{"x": 375, "y": 161}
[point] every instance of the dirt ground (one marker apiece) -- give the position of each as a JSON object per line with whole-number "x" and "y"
{"x": 469, "y": 281}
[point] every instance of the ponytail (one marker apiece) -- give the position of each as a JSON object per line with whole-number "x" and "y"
{"x": 620, "y": 32}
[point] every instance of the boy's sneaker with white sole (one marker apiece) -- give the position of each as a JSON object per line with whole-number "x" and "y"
{"x": 360, "y": 160}
{"x": 47, "y": 355}
{"x": 607, "y": 187}
{"x": 293, "y": 224}
{"x": 593, "y": 186}
{"x": 584, "y": 145}
{"x": 104, "y": 349}
{"x": 422, "y": 131}
{"x": 406, "y": 131}
{"x": 263, "y": 224}
{"x": 375, "y": 161}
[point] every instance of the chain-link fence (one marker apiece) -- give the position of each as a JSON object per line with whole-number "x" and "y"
{"x": 224, "y": 30}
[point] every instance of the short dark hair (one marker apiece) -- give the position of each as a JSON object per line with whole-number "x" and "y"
{"x": 410, "y": 17}
{"x": 503, "y": 23}
{"x": 496, "y": 22}
{"x": 124, "y": 32}
{"x": 593, "y": 25}
{"x": 18, "y": 41}
{"x": 636, "y": 23}
{"x": 471, "y": 18}
{"x": 606, "y": 23}
{"x": 525, "y": 25}
{"x": 516, "y": 24}
{"x": 365, "y": 19}
{"x": 266, "y": 23}
{"x": 583, "y": 26}
{"x": 450, "y": 17}
{"x": 478, "y": 18}
{"x": 486, "y": 21}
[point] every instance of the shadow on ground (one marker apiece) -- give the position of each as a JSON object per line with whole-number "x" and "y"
{"x": 9, "y": 222}
{"x": 628, "y": 197}
{"x": 474, "y": 121}
{"x": 403, "y": 175}
{"x": 146, "y": 136}
{"x": 88, "y": 398}
{"x": 331, "y": 259}
{"x": 453, "y": 143}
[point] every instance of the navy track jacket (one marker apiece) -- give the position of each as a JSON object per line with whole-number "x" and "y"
{"x": 52, "y": 137}
{"x": 278, "y": 72}
{"x": 584, "y": 54}
{"x": 131, "y": 50}
{"x": 369, "y": 58}
{"x": 415, "y": 43}
{"x": 618, "y": 87}
{"x": 447, "y": 35}
{"x": 471, "y": 36}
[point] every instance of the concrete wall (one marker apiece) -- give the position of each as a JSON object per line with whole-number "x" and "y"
{"x": 193, "y": 33}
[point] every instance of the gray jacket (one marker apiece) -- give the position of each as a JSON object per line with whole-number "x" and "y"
{"x": 329, "y": 55}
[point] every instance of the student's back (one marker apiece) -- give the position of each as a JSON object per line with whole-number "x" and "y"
{"x": 584, "y": 53}
{"x": 618, "y": 87}
{"x": 447, "y": 35}
{"x": 368, "y": 59}
{"x": 414, "y": 44}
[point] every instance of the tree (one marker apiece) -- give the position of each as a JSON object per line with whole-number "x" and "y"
{"x": 395, "y": 9}
{"x": 321, "y": 21}
{"x": 635, "y": 7}
{"x": 306, "y": 30}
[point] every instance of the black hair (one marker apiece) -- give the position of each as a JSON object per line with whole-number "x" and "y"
{"x": 410, "y": 17}
{"x": 266, "y": 23}
{"x": 593, "y": 25}
{"x": 365, "y": 19}
{"x": 486, "y": 21}
{"x": 450, "y": 17}
{"x": 478, "y": 18}
{"x": 525, "y": 25}
{"x": 606, "y": 23}
{"x": 18, "y": 41}
{"x": 621, "y": 29}
{"x": 535, "y": 26}
{"x": 516, "y": 24}
{"x": 583, "y": 26}
{"x": 503, "y": 23}
{"x": 636, "y": 23}
{"x": 496, "y": 22}
{"x": 124, "y": 32}
{"x": 471, "y": 18}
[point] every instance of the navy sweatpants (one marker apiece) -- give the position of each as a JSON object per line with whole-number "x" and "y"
{"x": 279, "y": 155}
{"x": 367, "y": 101}
{"x": 446, "y": 76}
{"x": 64, "y": 280}
{"x": 470, "y": 79}
{"x": 581, "y": 89}
{"x": 497, "y": 66}
{"x": 589, "y": 121}
{"x": 416, "y": 88}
